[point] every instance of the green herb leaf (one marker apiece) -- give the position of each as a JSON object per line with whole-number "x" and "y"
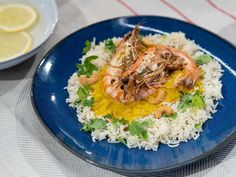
{"x": 81, "y": 70}
{"x": 87, "y": 46}
{"x": 83, "y": 93}
{"x": 194, "y": 101}
{"x": 87, "y": 67}
{"x": 88, "y": 103}
{"x": 198, "y": 102}
{"x": 108, "y": 116}
{"x": 121, "y": 140}
{"x": 147, "y": 122}
{"x": 98, "y": 124}
{"x": 94, "y": 124}
{"x": 198, "y": 125}
{"x": 90, "y": 58}
{"x": 136, "y": 128}
{"x": 109, "y": 45}
{"x": 173, "y": 116}
{"x": 203, "y": 59}
{"x": 77, "y": 101}
{"x": 118, "y": 122}
{"x": 185, "y": 102}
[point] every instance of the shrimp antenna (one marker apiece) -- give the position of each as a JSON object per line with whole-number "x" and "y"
{"x": 142, "y": 22}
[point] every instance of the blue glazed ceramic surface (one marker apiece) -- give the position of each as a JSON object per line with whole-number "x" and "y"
{"x": 49, "y": 95}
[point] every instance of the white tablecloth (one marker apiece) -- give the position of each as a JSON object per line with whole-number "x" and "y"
{"x": 27, "y": 149}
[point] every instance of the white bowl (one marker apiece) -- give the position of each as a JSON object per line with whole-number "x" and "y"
{"x": 48, "y": 17}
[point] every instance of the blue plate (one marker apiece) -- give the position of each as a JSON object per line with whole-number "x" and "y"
{"x": 49, "y": 95}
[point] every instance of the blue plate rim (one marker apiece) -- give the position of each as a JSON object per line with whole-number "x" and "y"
{"x": 120, "y": 170}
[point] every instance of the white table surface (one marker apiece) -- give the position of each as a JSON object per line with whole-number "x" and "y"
{"x": 27, "y": 149}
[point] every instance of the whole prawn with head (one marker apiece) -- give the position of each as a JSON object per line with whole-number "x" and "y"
{"x": 138, "y": 70}
{"x": 127, "y": 52}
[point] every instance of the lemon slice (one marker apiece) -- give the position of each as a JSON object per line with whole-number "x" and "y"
{"x": 16, "y": 17}
{"x": 14, "y": 44}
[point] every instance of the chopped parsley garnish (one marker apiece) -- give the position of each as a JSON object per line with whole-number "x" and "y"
{"x": 139, "y": 128}
{"x": 121, "y": 140}
{"x": 193, "y": 101}
{"x": 89, "y": 102}
{"x": 173, "y": 116}
{"x": 198, "y": 125}
{"x": 136, "y": 128}
{"x": 198, "y": 102}
{"x": 94, "y": 124}
{"x": 147, "y": 122}
{"x": 87, "y": 67}
{"x": 83, "y": 93}
{"x": 108, "y": 116}
{"x": 118, "y": 122}
{"x": 203, "y": 59}
{"x": 109, "y": 45}
{"x": 87, "y": 47}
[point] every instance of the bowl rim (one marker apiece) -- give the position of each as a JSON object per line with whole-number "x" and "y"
{"x": 106, "y": 167}
{"x": 43, "y": 41}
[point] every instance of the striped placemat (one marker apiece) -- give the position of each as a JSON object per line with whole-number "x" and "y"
{"x": 27, "y": 149}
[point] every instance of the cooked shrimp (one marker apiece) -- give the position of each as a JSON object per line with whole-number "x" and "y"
{"x": 127, "y": 50}
{"x": 125, "y": 55}
{"x": 192, "y": 72}
{"x": 163, "y": 110}
{"x": 138, "y": 68}
{"x": 163, "y": 58}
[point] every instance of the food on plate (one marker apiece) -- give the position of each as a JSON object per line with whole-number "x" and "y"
{"x": 144, "y": 90}
{"x": 15, "y": 19}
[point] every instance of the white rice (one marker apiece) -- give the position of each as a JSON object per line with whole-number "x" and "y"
{"x": 163, "y": 130}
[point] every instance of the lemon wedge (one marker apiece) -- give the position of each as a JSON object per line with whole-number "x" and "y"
{"x": 16, "y": 17}
{"x": 14, "y": 44}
